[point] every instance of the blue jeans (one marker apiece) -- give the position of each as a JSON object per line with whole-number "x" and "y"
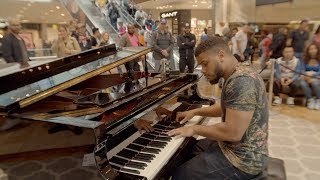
{"x": 315, "y": 88}
{"x": 299, "y": 55}
{"x": 209, "y": 163}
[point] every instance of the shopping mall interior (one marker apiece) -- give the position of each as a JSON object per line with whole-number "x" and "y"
{"x": 159, "y": 89}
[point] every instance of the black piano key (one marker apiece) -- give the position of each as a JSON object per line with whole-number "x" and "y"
{"x": 149, "y": 136}
{"x": 157, "y": 144}
{"x": 164, "y": 123}
{"x": 154, "y": 133}
{"x": 118, "y": 161}
{"x": 160, "y": 130}
{"x": 142, "y": 141}
{"x": 127, "y": 153}
{"x": 130, "y": 170}
{"x": 142, "y": 158}
{"x": 136, "y": 165}
{"x": 151, "y": 150}
{"x": 135, "y": 147}
{"x": 159, "y": 127}
{"x": 166, "y": 139}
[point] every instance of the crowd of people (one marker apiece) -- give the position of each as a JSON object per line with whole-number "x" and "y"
{"x": 296, "y": 51}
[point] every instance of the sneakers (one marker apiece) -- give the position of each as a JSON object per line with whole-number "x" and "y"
{"x": 290, "y": 101}
{"x": 277, "y": 100}
{"x": 317, "y": 104}
{"x": 311, "y": 103}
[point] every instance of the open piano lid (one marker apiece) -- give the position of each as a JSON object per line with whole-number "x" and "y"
{"x": 23, "y": 87}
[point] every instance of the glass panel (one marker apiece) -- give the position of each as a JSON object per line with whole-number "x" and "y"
{"x": 45, "y": 84}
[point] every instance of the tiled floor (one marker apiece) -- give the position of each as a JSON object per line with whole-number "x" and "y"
{"x": 297, "y": 142}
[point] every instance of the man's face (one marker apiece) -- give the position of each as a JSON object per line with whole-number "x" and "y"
{"x": 131, "y": 29}
{"x": 162, "y": 26}
{"x": 82, "y": 30}
{"x": 285, "y": 31}
{"x": 211, "y": 68}
{"x": 187, "y": 30}
{"x": 234, "y": 32}
{"x": 288, "y": 53}
{"x": 97, "y": 34}
{"x": 15, "y": 26}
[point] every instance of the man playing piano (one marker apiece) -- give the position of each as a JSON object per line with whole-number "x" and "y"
{"x": 236, "y": 148}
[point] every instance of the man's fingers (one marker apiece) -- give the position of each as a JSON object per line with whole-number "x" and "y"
{"x": 174, "y": 132}
{"x": 184, "y": 120}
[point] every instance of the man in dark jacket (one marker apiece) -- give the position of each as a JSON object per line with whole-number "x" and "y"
{"x": 278, "y": 43}
{"x": 186, "y": 42}
{"x": 13, "y": 46}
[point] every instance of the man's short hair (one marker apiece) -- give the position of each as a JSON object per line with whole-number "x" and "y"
{"x": 214, "y": 44}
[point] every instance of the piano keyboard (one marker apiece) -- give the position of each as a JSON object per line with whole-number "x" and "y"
{"x": 145, "y": 154}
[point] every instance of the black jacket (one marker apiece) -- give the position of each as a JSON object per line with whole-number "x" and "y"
{"x": 277, "y": 45}
{"x": 11, "y": 51}
{"x": 186, "y": 50}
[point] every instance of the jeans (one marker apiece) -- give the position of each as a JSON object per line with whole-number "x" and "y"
{"x": 293, "y": 88}
{"x": 299, "y": 55}
{"x": 114, "y": 23}
{"x": 183, "y": 62}
{"x": 208, "y": 163}
{"x": 315, "y": 88}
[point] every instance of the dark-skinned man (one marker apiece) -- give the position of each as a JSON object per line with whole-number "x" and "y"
{"x": 235, "y": 148}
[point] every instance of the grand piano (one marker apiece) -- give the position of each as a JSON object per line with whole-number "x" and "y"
{"x": 90, "y": 90}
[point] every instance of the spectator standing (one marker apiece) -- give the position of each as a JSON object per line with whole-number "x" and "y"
{"x": 140, "y": 17}
{"x": 286, "y": 77}
{"x": 114, "y": 15}
{"x": 264, "y": 47}
{"x": 241, "y": 43}
{"x": 298, "y": 39}
{"x": 104, "y": 39}
{"x": 84, "y": 39}
{"x": 13, "y": 46}
{"x": 316, "y": 37}
{"x": 130, "y": 39}
{"x": 186, "y": 42}
{"x": 155, "y": 26}
{"x": 311, "y": 67}
{"x": 95, "y": 39}
{"x": 233, "y": 40}
{"x": 163, "y": 46}
{"x": 122, "y": 28}
{"x": 149, "y": 21}
{"x": 278, "y": 43}
{"x": 207, "y": 33}
{"x": 74, "y": 29}
{"x": 65, "y": 45}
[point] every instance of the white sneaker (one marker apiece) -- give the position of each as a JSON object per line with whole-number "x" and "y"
{"x": 317, "y": 106}
{"x": 277, "y": 100}
{"x": 311, "y": 103}
{"x": 290, "y": 101}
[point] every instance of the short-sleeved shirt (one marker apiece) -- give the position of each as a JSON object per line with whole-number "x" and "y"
{"x": 244, "y": 90}
{"x": 299, "y": 39}
{"x": 243, "y": 38}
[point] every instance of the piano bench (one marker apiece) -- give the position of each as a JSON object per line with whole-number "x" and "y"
{"x": 274, "y": 171}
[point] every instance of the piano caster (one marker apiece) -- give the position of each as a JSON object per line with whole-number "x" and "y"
{"x": 62, "y": 127}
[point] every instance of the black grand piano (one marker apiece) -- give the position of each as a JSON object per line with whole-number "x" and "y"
{"x": 90, "y": 90}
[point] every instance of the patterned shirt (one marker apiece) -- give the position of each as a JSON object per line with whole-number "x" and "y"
{"x": 244, "y": 90}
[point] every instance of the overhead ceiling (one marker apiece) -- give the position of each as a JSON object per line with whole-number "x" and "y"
{"x": 34, "y": 11}
{"x": 176, "y": 4}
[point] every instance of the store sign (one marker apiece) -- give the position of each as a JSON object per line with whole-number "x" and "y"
{"x": 169, "y": 14}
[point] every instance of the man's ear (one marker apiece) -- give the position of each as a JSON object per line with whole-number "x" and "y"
{"x": 221, "y": 56}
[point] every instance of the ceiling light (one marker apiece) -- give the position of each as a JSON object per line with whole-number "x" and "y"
{"x": 58, "y": 7}
{"x": 21, "y": 11}
{"x": 25, "y": 20}
{"x": 51, "y": 10}
{"x": 29, "y": 4}
{"x": 46, "y": 13}
{"x": 62, "y": 14}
